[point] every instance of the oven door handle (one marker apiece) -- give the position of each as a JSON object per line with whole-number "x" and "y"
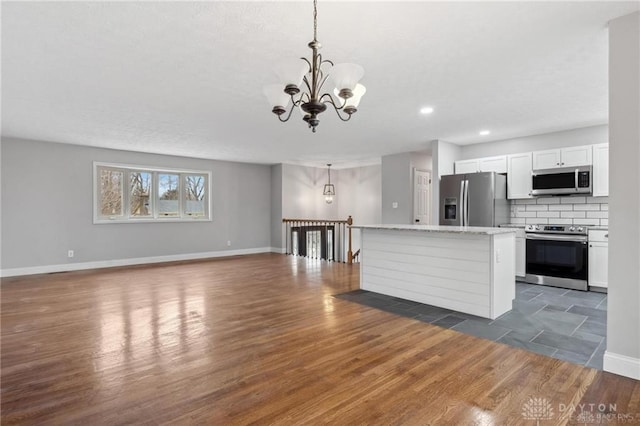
{"x": 557, "y": 237}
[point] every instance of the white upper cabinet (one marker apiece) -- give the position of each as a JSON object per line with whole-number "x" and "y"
{"x": 546, "y": 159}
{"x": 486, "y": 164}
{"x": 493, "y": 164}
{"x": 467, "y": 166}
{"x": 565, "y": 157}
{"x": 576, "y": 156}
{"x": 519, "y": 175}
{"x": 601, "y": 170}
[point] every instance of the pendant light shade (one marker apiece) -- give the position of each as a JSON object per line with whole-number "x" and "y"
{"x": 290, "y": 72}
{"x": 345, "y": 77}
{"x": 351, "y": 104}
{"x": 276, "y": 97}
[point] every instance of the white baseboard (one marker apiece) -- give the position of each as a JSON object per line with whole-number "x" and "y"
{"x": 47, "y": 269}
{"x": 279, "y": 250}
{"x": 622, "y": 365}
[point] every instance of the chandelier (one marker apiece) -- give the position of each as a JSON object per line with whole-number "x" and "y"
{"x": 329, "y": 190}
{"x": 314, "y": 73}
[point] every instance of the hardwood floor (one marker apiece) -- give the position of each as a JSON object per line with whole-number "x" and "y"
{"x": 261, "y": 339}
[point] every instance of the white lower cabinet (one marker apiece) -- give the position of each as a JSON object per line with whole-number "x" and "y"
{"x": 521, "y": 256}
{"x": 598, "y": 258}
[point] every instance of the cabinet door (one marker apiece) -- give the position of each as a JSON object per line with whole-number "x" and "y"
{"x": 493, "y": 164}
{"x": 546, "y": 159}
{"x": 521, "y": 257}
{"x": 519, "y": 176}
{"x": 466, "y": 166}
{"x": 576, "y": 156}
{"x": 598, "y": 264}
{"x": 601, "y": 170}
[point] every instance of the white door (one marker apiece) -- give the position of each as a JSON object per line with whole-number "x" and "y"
{"x": 421, "y": 196}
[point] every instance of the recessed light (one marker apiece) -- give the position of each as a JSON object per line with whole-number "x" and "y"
{"x": 484, "y": 132}
{"x": 426, "y": 110}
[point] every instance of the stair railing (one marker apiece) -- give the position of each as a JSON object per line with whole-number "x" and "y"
{"x": 319, "y": 239}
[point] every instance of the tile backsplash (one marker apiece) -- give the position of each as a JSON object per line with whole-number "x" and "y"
{"x": 561, "y": 211}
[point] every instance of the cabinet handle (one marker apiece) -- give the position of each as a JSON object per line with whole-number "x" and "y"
{"x": 606, "y": 235}
{"x": 590, "y": 245}
{"x": 563, "y": 164}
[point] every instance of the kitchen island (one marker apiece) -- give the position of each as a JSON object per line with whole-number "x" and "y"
{"x": 466, "y": 269}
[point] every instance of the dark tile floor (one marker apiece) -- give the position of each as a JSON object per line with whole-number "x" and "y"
{"x": 565, "y": 324}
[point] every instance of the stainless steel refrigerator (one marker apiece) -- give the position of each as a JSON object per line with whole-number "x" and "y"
{"x": 474, "y": 199}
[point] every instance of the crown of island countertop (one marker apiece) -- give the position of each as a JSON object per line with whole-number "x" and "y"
{"x": 478, "y": 230}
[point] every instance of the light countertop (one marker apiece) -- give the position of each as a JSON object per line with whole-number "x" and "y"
{"x": 477, "y": 230}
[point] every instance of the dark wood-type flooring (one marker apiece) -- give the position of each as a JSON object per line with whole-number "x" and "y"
{"x": 261, "y": 339}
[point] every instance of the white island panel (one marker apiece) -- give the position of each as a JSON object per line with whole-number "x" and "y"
{"x": 467, "y": 272}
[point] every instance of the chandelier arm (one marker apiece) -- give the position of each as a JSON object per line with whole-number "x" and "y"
{"x": 331, "y": 101}
{"x": 336, "y": 108}
{"x": 306, "y": 83}
{"x": 288, "y": 115}
{"x": 324, "y": 79}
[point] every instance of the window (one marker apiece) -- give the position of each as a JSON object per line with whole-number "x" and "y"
{"x": 132, "y": 194}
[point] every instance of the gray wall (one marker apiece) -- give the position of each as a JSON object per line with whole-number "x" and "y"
{"x": 397, "y": 188}
{"x": 444, "y": 154}
{"x": 276, "y": 206}
{"x": 575, "y": 137}
{"x": 47, "y": 199}
{"x": 623, "y": 325}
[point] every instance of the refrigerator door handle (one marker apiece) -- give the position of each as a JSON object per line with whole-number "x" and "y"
{"x": 462, "y": 203}
{"x": 466, "y": 203}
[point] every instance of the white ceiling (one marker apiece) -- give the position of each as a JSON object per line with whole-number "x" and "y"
{"x": 185, "y": 78}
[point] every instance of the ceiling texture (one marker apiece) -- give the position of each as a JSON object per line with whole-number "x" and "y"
{"x": 186, "y": 78}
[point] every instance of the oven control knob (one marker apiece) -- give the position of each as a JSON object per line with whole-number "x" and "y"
{"x": 580, "y": 229}
{"x": 573, "y": 228}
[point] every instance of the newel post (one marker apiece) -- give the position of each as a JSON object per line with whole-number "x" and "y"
{"x": 349, "y": 252}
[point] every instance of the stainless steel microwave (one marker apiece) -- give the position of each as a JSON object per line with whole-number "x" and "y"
{"x": 562, "y": 181}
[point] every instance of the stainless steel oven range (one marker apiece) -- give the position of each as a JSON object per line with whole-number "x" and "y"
{"x": 557, "y": 255}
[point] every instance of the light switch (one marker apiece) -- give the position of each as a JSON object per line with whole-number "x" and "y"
{"x": 394, "y": 205}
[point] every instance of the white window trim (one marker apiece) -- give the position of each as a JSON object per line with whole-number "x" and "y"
{"x": 99, "y": 220}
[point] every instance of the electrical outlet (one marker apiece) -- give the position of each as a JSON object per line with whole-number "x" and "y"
{"x": 498, "y": 256}
{"x": 228, "y": 243}
{"x": 70, "y": 253}
{"x": 394, "y": 205}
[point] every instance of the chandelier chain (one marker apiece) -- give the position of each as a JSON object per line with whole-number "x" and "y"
{"x": 315, "y": 20}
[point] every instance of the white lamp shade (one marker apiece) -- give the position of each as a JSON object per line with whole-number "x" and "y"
{"x": 275, "y": 95}
{"x": 353, "y": 101}
{"x": 291, "y": 71}
{"x": 346, "y": 76}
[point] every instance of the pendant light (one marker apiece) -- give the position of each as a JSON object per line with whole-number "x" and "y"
{"x": 329, "y": 190}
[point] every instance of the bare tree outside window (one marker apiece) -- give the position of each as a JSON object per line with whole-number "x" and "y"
{"x": 195, "y": 195}
{"x": 168, "y": 195}
{"x": 140, "y": 195}
{"x": 111, "y": 192}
